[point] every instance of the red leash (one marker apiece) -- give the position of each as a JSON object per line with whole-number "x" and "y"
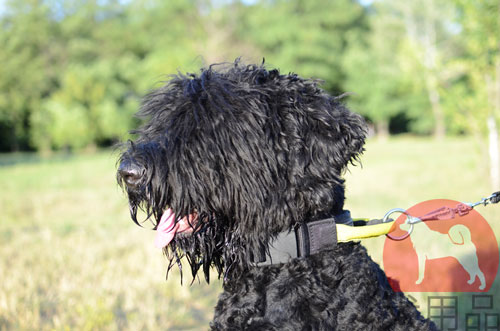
{"x": 443, "y": 213}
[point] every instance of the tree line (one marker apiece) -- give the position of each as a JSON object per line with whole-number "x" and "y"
{"x": 72, "y": 73}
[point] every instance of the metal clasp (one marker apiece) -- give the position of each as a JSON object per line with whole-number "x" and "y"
{"x": 484, "y": 201}
{"x": 409, "y": 220}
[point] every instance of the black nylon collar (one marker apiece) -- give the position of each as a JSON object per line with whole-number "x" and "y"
{"x": 309, "y": 238}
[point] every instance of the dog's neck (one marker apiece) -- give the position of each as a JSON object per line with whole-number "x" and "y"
{"x": 307, "y": 239}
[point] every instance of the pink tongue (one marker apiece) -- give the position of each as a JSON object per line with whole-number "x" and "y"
{"x": 167, "y": 228}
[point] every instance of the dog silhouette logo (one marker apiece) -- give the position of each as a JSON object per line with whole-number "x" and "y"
{"x": 457, "y": 243}
{"x": 459, "y": 254}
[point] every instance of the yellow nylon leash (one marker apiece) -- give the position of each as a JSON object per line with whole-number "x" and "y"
{"x": 362, "y": 230}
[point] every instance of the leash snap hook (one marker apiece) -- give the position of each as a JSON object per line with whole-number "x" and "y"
{"x": 493, "y": 198}
{"x": 409, "y": 220}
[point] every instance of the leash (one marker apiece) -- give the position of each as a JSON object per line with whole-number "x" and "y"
{"x": 314, "y": 237}
{"x": 443, "y": 213}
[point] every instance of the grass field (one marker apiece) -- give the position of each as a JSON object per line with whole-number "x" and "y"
{"x": 71, "y": 259}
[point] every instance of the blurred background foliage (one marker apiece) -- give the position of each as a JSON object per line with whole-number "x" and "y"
{"x": 73, "y": 72}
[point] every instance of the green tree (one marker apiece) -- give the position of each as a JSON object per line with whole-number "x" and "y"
{"x": 73, "y": 72}
{"x": 29, "y": 59}
{"x": 309, "y": 37}
{"x": 429, "y": 47}
{"x": 93, "y": 105}
{"x": 476, "y": 94}
{"x": 373, "y": 72}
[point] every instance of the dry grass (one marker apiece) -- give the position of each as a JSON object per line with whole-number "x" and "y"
{"x": 72, "y": 259}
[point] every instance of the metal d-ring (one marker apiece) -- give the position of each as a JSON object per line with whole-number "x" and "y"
{"x": 410, "y": 220}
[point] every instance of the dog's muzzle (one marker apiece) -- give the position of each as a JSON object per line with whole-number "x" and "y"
{"x": 131, "y": 173}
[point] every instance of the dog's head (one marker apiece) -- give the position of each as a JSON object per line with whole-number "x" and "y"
{"x": 231, "y": 157}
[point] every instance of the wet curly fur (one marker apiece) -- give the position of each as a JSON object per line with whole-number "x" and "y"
{"x": 255, "y": 153}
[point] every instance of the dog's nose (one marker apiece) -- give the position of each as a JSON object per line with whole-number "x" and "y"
{"x": 130, "y": 172}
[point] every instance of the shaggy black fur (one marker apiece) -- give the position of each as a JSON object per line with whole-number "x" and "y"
{"x": 256, "y": 153}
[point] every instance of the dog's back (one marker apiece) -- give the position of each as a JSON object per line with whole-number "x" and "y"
{"x": 341, "y": 289}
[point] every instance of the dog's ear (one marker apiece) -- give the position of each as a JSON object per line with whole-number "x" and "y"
{"x": 349, "y": 133}
{"x": 323, "y": 132}
{"x": 324, "y": 137}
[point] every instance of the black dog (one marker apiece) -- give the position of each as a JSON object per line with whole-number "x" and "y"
{"x": 231, "y": 164}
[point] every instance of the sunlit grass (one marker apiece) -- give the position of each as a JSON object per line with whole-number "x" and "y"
{"x": 72, "y": 259}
